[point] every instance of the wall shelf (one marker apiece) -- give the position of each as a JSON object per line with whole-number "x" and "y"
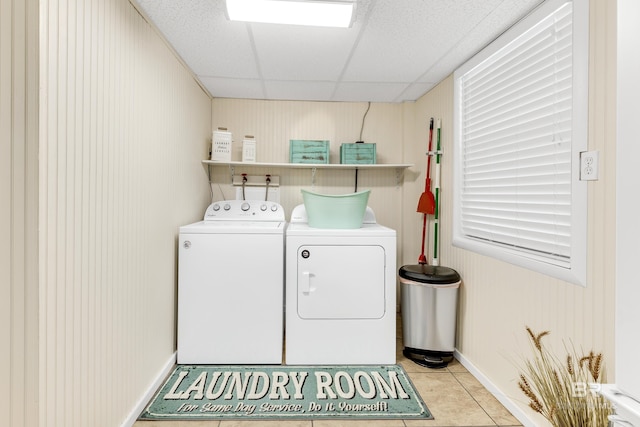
{"x": 308, "y": 165}
{"x": 313, "y": 167}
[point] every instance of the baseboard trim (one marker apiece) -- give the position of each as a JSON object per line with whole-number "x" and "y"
{"x": 153, "y": 387}
{"x": 495, "y": 391}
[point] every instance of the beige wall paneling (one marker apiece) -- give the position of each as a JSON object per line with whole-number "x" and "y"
{"x": 124, "y": 129}
{"x": 19, "y": 212}
{"x": 497, "y": 300}
{"x": 415, "y": 151}
{"x": 274, "y": 123}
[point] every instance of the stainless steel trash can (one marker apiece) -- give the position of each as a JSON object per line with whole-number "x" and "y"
{"x": 429, "y": 300}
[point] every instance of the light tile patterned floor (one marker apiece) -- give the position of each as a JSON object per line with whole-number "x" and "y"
{"x": 452, "y": 394}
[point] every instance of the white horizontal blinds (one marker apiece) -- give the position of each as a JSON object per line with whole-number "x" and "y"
{"x": 516, "y": 109}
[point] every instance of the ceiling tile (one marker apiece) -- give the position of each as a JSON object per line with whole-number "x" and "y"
{"x": 294, "y": 90}
{"x": 411, "y": 35}
{"x": 290, "y": 52}
{"x": 201, "y": 34}
{"x": 414, "y": 91}
{"x": 220, "y": 87}
{"x": 395, "y": 51}
{"x": 494, "y": 24}
{"x": 371, "y": 91}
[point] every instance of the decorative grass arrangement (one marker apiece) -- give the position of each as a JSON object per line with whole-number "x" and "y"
{"x": 565, "y": 392}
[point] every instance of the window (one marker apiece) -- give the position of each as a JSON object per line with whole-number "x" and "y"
{"x": 520, "y": 122}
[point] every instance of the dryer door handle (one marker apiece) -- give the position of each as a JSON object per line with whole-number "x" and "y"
{"x": 306, "y": 282}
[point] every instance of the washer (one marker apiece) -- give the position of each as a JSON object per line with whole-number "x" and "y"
{"x": 231, "y": 285}
{"x": 340, "y": 293}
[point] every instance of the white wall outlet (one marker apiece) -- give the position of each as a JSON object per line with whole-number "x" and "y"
{"x": 589, "y": 165}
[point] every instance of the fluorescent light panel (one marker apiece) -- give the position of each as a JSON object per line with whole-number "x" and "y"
{"x": 304, "y": 12}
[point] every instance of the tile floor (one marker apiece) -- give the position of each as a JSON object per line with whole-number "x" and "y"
{"x": 452, "y": 394}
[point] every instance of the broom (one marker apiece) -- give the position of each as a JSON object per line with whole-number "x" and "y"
{"x": 426, "y": 203}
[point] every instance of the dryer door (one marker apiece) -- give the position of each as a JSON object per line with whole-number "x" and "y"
{"x": 341, "y": 282}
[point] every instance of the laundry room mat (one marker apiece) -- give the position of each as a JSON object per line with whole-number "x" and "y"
{"x": 212, "y": 392}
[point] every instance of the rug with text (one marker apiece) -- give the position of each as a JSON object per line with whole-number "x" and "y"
{"x": 286, "y": 392}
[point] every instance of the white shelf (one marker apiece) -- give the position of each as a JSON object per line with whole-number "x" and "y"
{"x": 309, "y": 165}
{"x": 313, "y": 167}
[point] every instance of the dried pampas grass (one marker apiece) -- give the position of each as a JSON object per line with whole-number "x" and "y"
{"x": 565, "y": 393}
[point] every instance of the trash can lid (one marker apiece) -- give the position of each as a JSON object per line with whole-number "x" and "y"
{"x": 433, "y": 274}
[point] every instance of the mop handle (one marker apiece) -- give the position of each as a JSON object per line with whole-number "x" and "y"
{"x": 436, "y": 214}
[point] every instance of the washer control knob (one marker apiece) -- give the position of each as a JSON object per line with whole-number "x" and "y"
{"x": 245, "y": 206}
{"x": 227, "y": 206}
{"x": 216, "y": 207}
{"x": 274, "y": 208}
{"x": 263, "y": 207}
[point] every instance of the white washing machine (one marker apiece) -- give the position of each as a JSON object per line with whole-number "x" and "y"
{"x": 231, "y": 285}
{"x": 340, "y": 293}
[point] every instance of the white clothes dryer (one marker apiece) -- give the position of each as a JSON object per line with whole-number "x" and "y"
{"x": 340, "y": 293}
{"x": 231, "y": 285}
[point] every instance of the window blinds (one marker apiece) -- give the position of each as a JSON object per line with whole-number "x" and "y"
{"x": 515, "y": 129}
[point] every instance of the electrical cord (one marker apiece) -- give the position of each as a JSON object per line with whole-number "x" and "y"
{"x": 363, "y": 118}
{"x": 355, "y": 190}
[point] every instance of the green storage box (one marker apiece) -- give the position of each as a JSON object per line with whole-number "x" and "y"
{"x": 358, "y": 153}
{"x": 308, "y": 151}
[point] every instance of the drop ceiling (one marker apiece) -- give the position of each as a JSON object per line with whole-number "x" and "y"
{"x": 395, "y": 51}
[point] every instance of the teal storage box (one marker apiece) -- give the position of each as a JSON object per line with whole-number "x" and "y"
{"x": 358, "y": 153}
{"x": 308, "y": 151}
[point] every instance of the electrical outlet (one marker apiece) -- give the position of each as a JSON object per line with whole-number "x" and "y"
{"x": 589, "y": 165}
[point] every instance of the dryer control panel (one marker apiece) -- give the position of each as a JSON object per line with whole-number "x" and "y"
{"x": 244, "y": 210}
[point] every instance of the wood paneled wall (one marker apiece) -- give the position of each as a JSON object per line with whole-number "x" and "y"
{"x": 274, "y": 123}
{"x": 124, "y": 127}
{"x": 497, "y": 300}
{"x": 19, "y": 212}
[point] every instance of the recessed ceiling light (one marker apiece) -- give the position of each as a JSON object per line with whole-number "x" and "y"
{"x": 296, "y": 12}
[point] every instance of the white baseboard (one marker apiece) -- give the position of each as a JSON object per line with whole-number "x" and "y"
{"x": 146, "y": 397}
{"x": 495, "y": 391}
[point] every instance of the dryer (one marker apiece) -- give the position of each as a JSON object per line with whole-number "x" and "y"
{"x": 340, "y": 293}
{"x": 231, "y": 285}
